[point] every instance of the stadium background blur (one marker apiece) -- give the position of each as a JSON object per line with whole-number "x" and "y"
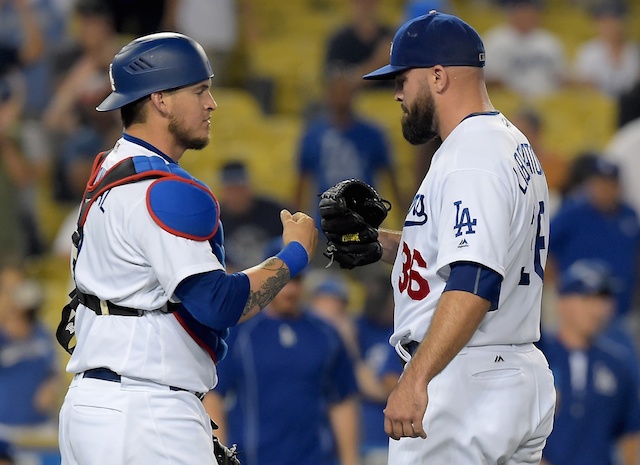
{"x": 276, "y": 76}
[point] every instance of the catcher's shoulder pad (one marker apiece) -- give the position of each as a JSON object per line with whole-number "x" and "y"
{"x": 183, "y": 207}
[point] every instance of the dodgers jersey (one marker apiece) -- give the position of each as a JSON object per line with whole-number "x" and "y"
{"x": 483, "y": 200}
{"x": 128, "y": 259}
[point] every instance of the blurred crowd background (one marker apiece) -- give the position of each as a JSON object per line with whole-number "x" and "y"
{"x": 293, "y": 118}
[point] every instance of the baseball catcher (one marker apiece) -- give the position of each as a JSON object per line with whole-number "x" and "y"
{"x": 351, "y": 213}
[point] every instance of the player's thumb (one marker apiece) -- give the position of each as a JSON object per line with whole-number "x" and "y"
{"x": 285, "y": 215}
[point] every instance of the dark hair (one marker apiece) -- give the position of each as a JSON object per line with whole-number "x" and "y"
{"x": 580, "y": 169}
{"x": 531, "y": 116}
{"x": 134, "y": 112}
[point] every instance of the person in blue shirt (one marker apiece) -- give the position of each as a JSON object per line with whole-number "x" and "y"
{"x": 594, "y": 223}
{"x": 339, "y": 144}
{"x": 29, "y": 372}
{"x": 287, "y": 393}
{"x": 373, "y": 329}
{"x": 598, "y": 410}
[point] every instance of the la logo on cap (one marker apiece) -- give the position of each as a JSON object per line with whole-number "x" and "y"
{"x": 391, "y": 49}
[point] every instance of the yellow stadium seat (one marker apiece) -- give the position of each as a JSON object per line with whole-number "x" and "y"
{"x": 237, "y": 104}
{"x": 506, "y": 101}
{"x": 576, "y": 119}
{"x": 294, "y": 63}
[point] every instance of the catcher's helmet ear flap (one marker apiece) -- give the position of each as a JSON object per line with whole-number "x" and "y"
{"x": 152, "y": 63}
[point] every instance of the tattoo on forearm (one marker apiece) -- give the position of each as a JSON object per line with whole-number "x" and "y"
{"x": 270, "y": 288}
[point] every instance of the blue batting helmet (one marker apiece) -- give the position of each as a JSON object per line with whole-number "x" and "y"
{"x": 152, "y": 63}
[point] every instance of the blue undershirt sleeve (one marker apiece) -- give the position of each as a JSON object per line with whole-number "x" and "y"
{"x": 216, "y": 299}
{"x": 476, "y": 279}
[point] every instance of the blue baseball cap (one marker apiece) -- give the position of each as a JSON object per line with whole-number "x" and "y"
{"x": 334, "y": 288}
{"x": 605, "y": 169}
{"x": 587, "y": 277}
{"x": 430, "y": 40}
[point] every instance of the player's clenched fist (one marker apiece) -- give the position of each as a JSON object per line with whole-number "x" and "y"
{"x": 301, "y": 228}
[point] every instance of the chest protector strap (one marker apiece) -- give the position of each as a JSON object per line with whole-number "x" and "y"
{"x": 127, "y": 171}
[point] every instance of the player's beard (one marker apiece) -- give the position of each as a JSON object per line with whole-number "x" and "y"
{"x": 419, "y": 124}
{"x": 184, "y": 138}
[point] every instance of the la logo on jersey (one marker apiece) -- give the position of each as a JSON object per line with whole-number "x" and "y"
{"x": 463, "y": 220}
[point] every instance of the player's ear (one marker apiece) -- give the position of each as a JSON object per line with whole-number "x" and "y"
{"x": 440, "y": 78}
{"x": 159, "y": 102}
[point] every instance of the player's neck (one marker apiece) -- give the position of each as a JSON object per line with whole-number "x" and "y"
{"x": 161, "y": 140}
{"x": 465, "y": 101}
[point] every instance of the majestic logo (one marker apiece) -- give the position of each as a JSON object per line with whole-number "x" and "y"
{"x": 463, "y": 243}
{"x": 498, "y": 359}
{"x": 463, "y": 220}
{"x": 417, "y": 215}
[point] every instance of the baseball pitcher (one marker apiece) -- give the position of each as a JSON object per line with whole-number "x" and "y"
{"x": 468, "y": 265}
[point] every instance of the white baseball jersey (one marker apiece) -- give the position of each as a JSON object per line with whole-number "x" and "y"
{"x": 483, "y": 200}
{"x": 128, "y": 259}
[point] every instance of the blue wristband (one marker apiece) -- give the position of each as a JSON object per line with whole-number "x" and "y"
{"x": 295, "y": 257}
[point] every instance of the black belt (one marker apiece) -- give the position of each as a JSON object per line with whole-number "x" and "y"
{"x": 105, "y": 374}
{"x": 105, "y": 307}
{"x": 411, "y": 348}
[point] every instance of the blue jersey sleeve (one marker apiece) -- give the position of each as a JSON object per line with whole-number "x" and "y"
{"x": 215, "y": 299}
{"x": 476, "y": 279}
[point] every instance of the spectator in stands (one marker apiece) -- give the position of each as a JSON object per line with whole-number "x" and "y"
{"x": 598, "y": 412}
{"x": 290, "y": 387}
{"x": 580, "y": 169}
{"x": 379, "y": 369}
{"x": 251, "y": 221}
{"x": 22, "y": 53}
{"x": 529, "y": 121}
{"x": 139, "y": 17}
{"x": 19, "y": 235}
{"x": 610, "y": 62}
{"x": 366, "y": 335}
{"x": 71, "y": 116}
{"x": 595, "y": 223}
{"x": 523, "y": 56}
{"x": 36, "y": 28}
{"x": 339, "y": 144}
{"x": 361, "y": 45}
{"x": 29, "y": 371}
{"x": 329, "y": 299}
{"x": 221, "y": 27}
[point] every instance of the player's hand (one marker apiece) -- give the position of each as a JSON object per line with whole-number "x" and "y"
{"x": 405, "y": 409}
{"x": 299, "y": 227}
